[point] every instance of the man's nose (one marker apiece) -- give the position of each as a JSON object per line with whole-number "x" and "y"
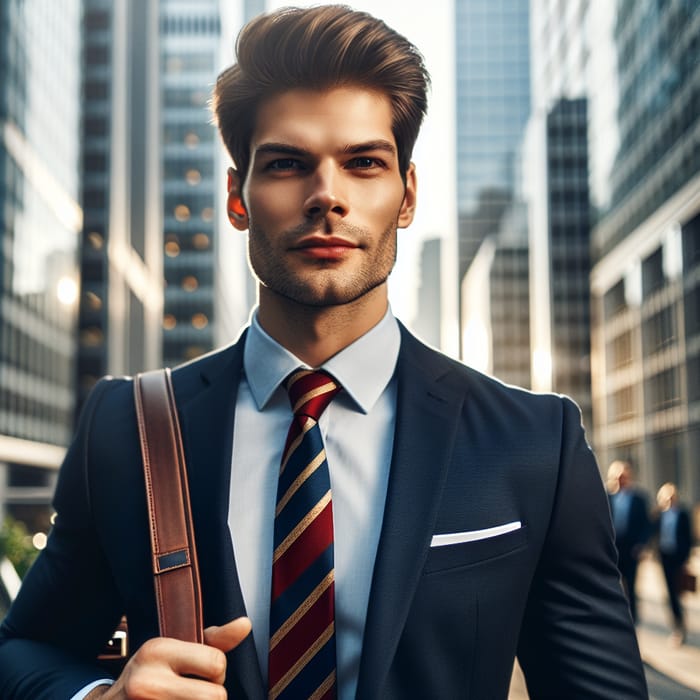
{"x": 327, "y": 194}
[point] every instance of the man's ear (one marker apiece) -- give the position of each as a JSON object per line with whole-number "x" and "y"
{"x": 235, "y": 208}
{"x": 408, "y": 206}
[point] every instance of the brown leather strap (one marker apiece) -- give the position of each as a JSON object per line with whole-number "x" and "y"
{"x": 175, "y": 571}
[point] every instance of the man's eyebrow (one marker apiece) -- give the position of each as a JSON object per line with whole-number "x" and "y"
{"x": 377, "y": 145}
{"x": 285, "y": 148}
{"x": 279, "y": 148}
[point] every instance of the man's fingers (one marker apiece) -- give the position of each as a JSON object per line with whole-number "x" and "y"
{"x": 183, "y": 658}
{"x": 229, "y": 635}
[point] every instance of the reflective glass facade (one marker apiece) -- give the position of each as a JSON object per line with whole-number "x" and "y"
{"x": 493, "y": 105}
{"x": 569, "y": 250}
{"x": 657, "y": 46}
{"x": 39, "y": 233}
{"x": 97, "y": 125}
{"x": 121, "y": 248}
{"x": 190, "y": 46}
{"x": 646, "y": 274}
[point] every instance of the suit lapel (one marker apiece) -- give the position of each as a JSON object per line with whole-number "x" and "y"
{"x": 428, "y": 410}
{"x": 206, "y": 401}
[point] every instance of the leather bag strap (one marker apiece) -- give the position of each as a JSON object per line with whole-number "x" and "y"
{"x": 175, "y": 571}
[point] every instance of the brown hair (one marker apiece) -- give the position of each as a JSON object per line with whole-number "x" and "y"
{"x": 319, "y": 48}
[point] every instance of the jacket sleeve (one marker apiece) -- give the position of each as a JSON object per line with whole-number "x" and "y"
{"x": 577, "y": 638}
{"x": 68, "y": 605}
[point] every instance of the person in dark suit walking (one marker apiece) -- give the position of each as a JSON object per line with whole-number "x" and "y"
{"x": 469, "y": 523}
{"x": 632, "y": 526}
{"x": 674, "y": 542}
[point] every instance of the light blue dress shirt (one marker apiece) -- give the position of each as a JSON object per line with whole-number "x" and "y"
{"x": 358, "y": 432}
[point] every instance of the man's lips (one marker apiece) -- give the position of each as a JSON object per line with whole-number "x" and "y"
{"x": 326, "y": 247}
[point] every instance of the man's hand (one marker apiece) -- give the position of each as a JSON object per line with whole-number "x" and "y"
{"x": 169, "y": 668}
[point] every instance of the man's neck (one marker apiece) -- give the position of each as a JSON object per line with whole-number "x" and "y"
{"x": 315, "y": 334}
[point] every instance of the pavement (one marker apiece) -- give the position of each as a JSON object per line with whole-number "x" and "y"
{"x": 679, "y": 665}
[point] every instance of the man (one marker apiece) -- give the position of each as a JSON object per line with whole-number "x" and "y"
{"x": 469, "y": 522}
{"x": 631, "y": 523}
{"x": 675, "y": 540}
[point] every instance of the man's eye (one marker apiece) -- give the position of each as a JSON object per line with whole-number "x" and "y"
{"x": 362, "y": 163}
{"x": 284, "y": 164}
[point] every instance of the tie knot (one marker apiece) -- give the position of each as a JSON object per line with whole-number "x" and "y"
{"x": 310, "y": 392}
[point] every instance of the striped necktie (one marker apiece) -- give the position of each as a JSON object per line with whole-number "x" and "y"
{"x": 302, "y": 617}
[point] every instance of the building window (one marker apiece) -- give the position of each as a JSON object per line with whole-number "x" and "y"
{"x": 621, "y": 404}
{"x": 652, "y": 273}
{"x": 691, "y": 243}
{"x": 193, "y": 177}
{"x": 95, "y": 240}
{"x": 620, "y": 351}
{"x": 200, "y": 241}
{"x": 199, "y": 321}
{"x": 172, "y": 249}
{"x": 663, "y": 390}
{"x": 182, "y": 212}
{"x": 190, "y": 283}
{"x": 659, "y": 330}
{"x": 614, "y": 300}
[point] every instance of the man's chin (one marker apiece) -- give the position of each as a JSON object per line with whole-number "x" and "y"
{"x": 325, "y": 298}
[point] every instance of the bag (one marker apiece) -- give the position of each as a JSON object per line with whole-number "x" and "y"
{"x": 174, "y": 557}
{"x": 687, "y": 581}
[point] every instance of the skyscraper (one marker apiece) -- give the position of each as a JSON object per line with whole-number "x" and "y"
{"x": 428, "y": 312}
{"x": 493, "y": 105}
{"x": 556, "y": 181}
{"x": 39, "y": 235}
{"x": 646, "y": 243}
{"x": 121, "y": 253}
{"x": 496, "y": 302}
{"x": 190, "y": 48}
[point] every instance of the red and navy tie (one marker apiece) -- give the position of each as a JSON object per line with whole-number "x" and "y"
{"x": 302, "y": 616}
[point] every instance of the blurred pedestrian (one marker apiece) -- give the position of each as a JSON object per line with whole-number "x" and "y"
{"x": 630, "y": 514}
{"x": 673, "y": 525}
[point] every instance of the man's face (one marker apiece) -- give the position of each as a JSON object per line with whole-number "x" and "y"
{"x": 324, "y": 196}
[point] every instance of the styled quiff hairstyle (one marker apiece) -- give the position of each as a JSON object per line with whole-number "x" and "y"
{"x": 319, "y": 48}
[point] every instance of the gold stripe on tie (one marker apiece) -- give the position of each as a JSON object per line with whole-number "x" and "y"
{"x": 299, "y": 665}
{"x": 296, "y": 376}
{"x": 324, "y": 687}
{"x": 308, "y": 424}
{"x": 318, "y": 391}
{"x": 294, "y": 486}
{"x": 303, "y": 524}
{"x": 301, "y": 610}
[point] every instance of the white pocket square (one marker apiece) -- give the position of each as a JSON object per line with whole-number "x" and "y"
{"x": 474, "y": 535}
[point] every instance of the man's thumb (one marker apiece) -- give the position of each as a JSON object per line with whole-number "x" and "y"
{"x": 227, "y": 636}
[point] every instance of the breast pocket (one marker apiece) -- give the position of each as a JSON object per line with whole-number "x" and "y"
{"x": 470, "y": 553}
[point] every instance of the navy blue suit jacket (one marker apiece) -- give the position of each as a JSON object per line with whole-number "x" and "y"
{"x": 469, "y": 454}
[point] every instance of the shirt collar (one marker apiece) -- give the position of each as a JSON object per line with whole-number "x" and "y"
{"x": 364, "y": 368}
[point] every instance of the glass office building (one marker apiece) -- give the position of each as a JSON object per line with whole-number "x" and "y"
{"x": 190, "y": 47}
{"x": 556, "y": 181}
{"x": 493, "y": 105}
{"x": 646, "y": 243}
{"x": 496, "y": 302}
{"x": 121, "y": 243}
{"x": 208, "y": 289}
{"x": 39, "y": 234}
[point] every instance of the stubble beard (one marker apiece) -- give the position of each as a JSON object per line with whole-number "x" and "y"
{"x": 324, "y": 283}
